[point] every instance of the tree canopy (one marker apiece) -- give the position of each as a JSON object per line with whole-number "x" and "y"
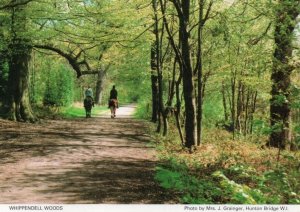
{"x": 192, "y": 66}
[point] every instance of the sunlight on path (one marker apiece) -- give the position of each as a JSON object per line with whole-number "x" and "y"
{"x": 126, "y": 111}
{"x": 95, "y": 160}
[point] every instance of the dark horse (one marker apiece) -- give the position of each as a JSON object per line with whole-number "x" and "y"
{"x": 113, "y": 104}
{"x": 88, "y": 104}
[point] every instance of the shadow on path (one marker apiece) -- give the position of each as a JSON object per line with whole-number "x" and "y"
{"x": 97, "y": 160}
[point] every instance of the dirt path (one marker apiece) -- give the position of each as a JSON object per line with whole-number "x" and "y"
{"x": 97, "y": 160}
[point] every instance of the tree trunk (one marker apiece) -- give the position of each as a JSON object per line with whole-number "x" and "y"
{"x": 184, "y": 60}
{"x": 178, "y": 111}
{"x": 233, "y": 85}
{"x": 19, "y": 108}
{"x": 154, "y": 84}
{"x": 253, "y": 108}
{"x": 199, "y": 74}
{"x": 239, "y": 107}
{"x": 99, "y": 87}
{"x": 2, "y": 80}
{"x": 172, "y": 84}
{"x": 247, "y": 108}
{"x": 18, "y": 105}
{"x": 155, "y": 63}
{"x": 224, "y": 102}
{"x": 154, "y": 98}
{"x": 3, "y": 61}
{"x": 187, "y": 76}
{"x": 158, "y": 65}
{"x": 280, "y": 110}
{"x": 166, "y": 124}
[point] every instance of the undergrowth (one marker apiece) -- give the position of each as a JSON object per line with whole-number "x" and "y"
{"x": 143, "y": 110}
{"x": 225, "y": 171}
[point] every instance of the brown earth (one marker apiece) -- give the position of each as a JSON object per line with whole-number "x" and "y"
{"x": 95, "y": 160}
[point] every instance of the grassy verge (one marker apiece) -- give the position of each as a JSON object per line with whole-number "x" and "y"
{"x": 143, "y": 110}
{"x": 229, "y": 172}
{"x": 76, "y": 111}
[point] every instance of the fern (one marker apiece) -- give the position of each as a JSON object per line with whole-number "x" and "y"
{"x": 239, "y": 194}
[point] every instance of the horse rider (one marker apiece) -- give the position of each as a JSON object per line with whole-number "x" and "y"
{"x": 114, "y": 95}
{"x": 88, "y": 92}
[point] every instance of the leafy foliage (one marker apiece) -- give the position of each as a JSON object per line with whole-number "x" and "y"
{"x": 235, "y": 172}
{"x": 58, "y": 87}
{"x": 239, "y": 194}
{"x": 193, "y": 190}
{"x": 238, "y": 46}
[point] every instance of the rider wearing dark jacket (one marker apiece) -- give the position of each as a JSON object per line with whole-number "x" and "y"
{"x": 114, "y": 95}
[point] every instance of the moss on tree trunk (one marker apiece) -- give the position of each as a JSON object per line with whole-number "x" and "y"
{"x": 19, "y": 108}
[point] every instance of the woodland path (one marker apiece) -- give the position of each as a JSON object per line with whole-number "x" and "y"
{"x": 96, "y": 160}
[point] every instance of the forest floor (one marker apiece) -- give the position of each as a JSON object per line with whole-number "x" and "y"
{"x": 95, "y": 160}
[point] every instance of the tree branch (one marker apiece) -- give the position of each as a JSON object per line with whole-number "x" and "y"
{"x": 170, "y": 36}
{"x": 254, "y": 41}
{"x": 12, "y": 5}
{"x": 206, "y": 17}
{"x": 71, "y": 59}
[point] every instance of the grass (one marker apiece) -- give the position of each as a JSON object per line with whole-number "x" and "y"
{"x": 143, "y": 110}
{"x": 76, "y": 111}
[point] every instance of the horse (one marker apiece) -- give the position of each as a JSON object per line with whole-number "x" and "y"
{"x": 113, "y": 104}
{"x": 88, "y": 104}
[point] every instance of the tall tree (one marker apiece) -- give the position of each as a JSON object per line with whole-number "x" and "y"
{"x": 154, "y": 84}
{"x": 52, "y": 23}
{"x": 183, "y": 54}
{"x": 18, "y": 104}
{"x": 286, "y": 14}
{"x": 199, "y": 66}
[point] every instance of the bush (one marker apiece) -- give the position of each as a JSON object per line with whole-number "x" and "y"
{"x": 59, "y": 87}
